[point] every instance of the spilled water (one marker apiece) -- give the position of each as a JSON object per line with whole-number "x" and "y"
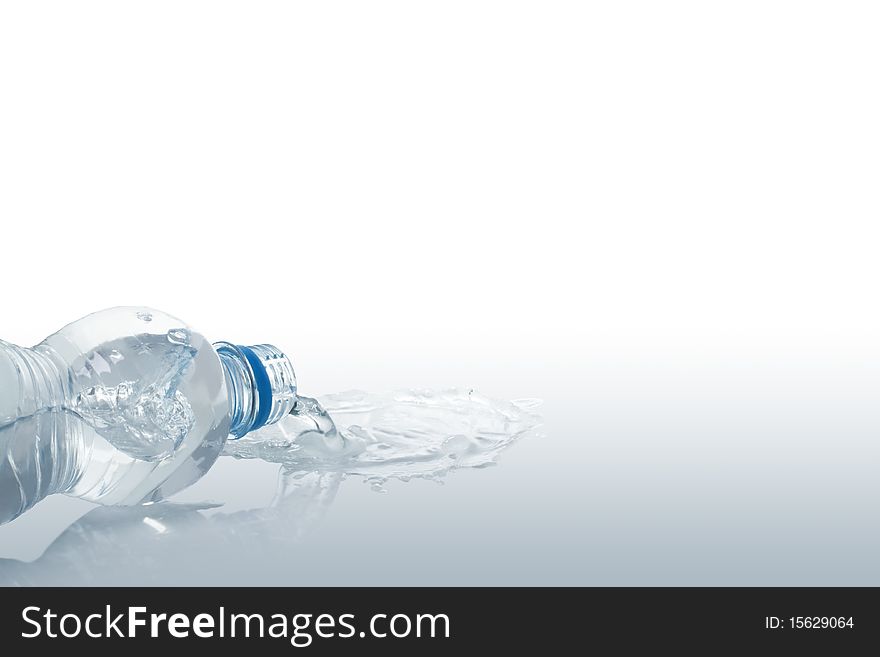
{"x": 398, "y": 435}
{"x": 376, "y": 437}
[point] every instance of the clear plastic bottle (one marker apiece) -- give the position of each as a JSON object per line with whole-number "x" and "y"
{"x": 128, "y": 405}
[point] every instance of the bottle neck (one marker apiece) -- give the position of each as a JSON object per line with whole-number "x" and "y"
{"x": 260, "y": 385}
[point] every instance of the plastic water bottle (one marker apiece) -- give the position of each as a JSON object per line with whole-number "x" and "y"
{"x": 128, "y": 405}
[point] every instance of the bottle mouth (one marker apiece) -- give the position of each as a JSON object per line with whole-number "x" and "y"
{"x": 261, "y": 385}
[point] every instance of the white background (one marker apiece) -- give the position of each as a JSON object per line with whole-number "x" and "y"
{"x": 660, "y": 217}
{"x": 441, "y": 175}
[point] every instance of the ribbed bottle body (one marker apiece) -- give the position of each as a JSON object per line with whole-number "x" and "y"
{"x": 40, "y": 444}
{"x": 121, "y": 406}
{"x": 128, "y": 405}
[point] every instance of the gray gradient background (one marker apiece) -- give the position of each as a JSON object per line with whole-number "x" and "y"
{"x": 691, "y": 467}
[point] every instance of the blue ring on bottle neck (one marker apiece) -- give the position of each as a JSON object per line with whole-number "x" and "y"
{"x": 264, "y": 388}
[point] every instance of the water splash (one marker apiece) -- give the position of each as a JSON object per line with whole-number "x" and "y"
{"x": 146, "y": 418}
{"x": 399, "y": 435}
{"x": 148, "y": 424}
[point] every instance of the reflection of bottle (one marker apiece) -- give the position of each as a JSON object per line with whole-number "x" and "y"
{"x": 178, "y": 544}
{"x": 128, "y": 405}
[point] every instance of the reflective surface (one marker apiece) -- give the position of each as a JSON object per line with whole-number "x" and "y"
{"x": 720, "y": 469}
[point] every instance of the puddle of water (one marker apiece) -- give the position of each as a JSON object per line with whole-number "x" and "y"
{"x": 396, "y": 435}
